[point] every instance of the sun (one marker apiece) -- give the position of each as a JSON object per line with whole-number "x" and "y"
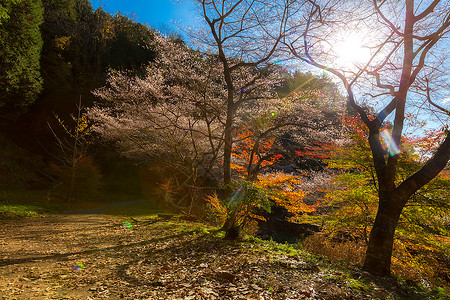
{"x": 350, "y": 50}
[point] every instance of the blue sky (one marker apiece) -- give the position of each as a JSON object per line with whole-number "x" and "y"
{"x": 159, "y": 14}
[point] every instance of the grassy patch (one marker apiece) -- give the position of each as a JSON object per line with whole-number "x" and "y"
{"x": 18, "y": 211}
{"x": 25, "y": 203}
{"x": 33, "y": 203}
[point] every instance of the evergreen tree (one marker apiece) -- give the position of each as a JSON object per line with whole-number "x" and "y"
{"x": 20, "y": 49}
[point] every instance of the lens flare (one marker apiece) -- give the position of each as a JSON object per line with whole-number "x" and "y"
{"x": 390, "y": 143}
{"x": 236, "y": 196}
{"x": 79, "y": 266}
{"x": 127, "y": 225}
{"x": 244, "y": 89}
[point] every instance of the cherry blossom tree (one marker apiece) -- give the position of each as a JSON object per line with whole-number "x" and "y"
{"x": 171, "y": 116}
{"x": 176, "y": 113}
{"x": 243, "y": 34}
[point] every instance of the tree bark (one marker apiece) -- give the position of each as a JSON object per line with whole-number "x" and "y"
{"x": 381, "y": 240}
{"x": 392, "y": 196}
{"x": 391, "y": 203}
{"x": 228, "y": 143}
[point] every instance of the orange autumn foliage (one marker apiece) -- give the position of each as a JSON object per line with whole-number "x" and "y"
{"x": 250, "y": 153}
{"x": 283, "y": 188}
{"x": 286, "y": 192}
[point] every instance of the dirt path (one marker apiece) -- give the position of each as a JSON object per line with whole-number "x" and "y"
{"x": 98, "y": 256}
{"x": 60, "y": 256}
{"x": 75, "y": 256}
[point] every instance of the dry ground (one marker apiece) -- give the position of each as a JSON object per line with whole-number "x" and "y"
{"x": 99, "y": 256}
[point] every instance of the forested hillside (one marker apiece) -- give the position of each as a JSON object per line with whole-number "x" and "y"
{"x": 72, "y": 49}
{"x": 65, "y": 53}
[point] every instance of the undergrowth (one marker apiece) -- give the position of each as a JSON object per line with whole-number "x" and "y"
{"x": 421, "y": 275}
{"x": 25, "y": 203}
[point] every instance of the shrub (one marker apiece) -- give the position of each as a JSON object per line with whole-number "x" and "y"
{"x": 83, "y": 179}
{"x": 215, "y": 211}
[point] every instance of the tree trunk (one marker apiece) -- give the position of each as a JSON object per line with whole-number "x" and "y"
{"x": 232, "y": 233}
{"x": 381, "y": 239}
{"x": 232, "y": 230}
{"x": 391, "y": 203}
{"x": 228, "y": 147}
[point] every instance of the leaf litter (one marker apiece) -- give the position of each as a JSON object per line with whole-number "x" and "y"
{"x": 98, "y": 257}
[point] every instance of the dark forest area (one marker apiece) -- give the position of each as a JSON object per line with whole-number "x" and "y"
{"x": 73, "y": 47}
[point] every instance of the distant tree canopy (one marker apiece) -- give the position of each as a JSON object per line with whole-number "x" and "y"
{"x": 20, "y": 49}
{"x": 309, "y": 85}
{"x": 53, "y": 51}
{"x": 81, "y": 44}
{"x": 127, "y": 48}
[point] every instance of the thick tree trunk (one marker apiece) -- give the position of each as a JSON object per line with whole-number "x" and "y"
{"x": 381, "y": 240}
{"x": 394, "y": 197}
{"x": 391, "y": 203}
{"x": 232, "y": 230}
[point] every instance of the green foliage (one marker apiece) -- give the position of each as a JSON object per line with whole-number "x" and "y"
{"x": 5, "y": 9}
{"x": 355, "y": 204}
{"x": 354, "y": 153}
{"x": 16, "y": 211}
{"x": 80, "y": 45}
{"x": 246, "y": 199}
{"x": 127, "y": 48}
{"x": 248, "y": 194}
{"x": 18, "y": 203}
{"x": 20, "y": 49}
